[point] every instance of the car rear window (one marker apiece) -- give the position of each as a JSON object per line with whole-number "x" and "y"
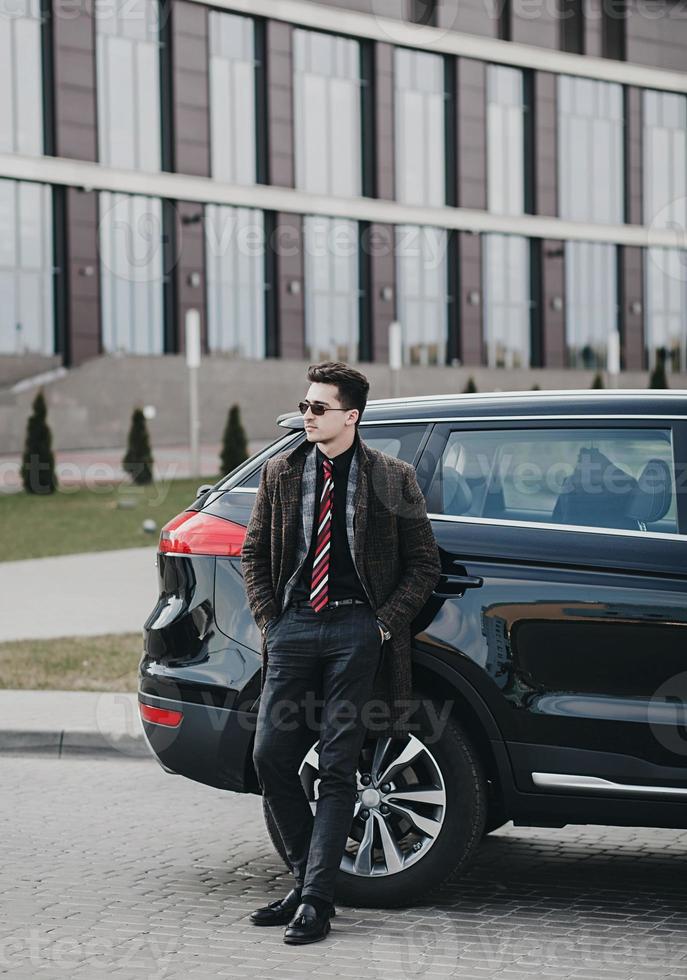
{"x": 596, "y": 477}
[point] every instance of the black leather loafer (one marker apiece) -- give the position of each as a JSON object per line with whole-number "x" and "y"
{"x": 277, "y": 913}
{"x": 307, "y": 926}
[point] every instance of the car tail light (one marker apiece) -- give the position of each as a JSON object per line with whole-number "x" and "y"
{"x": 160, "y": 716}
{"x": 195, "y": 533}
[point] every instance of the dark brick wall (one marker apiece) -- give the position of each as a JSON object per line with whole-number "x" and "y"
{"x": 190, "y": 95}
{"x": 552, "y": 289}
{"x": 287, "y": 242}
{"x": 633, "y": 155}
{"x": 469, "y": 16}
{"x": 380, "y": 251}
{"x": 384, "y": 120}
{"x": 592, "y": 27}
{"x": 630, "y": 260}
{"x": 75, "y": 103}
{"x": 656, "y": 34}
{"x": 189, "y": 260}
{"x": 535, "y": 24}
{"x": 545, "y": 143}
{"x": 471, "y": 345}
{"x": 82, "y": 269}
{"x": 471, "y": 133}
{"x": 278, "y": 71}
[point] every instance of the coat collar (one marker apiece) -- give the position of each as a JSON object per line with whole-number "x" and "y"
{"x": 295, "y": 458}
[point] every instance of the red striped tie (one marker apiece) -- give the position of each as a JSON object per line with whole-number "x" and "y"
{"x": 319, "y": 588}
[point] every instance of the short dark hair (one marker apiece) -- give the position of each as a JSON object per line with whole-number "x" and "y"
{"x": 353, "y": 386}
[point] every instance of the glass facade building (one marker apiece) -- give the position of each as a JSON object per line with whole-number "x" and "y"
{"x": 326, "y": 103}
{"x": 234, "y": 253}
{"x": 21, "y": 77}
{"x": 331, "y": 288}
{"x": 419, "y": 127}
{"x": 131, "y": 265}
{"x": 422, "y": 268}
{"x": 26, "y": 268}
{"x": 505, "y": 140}
{"x": 151, "y": 155}
{"x": 128, "y": 84}
{"x": 232, "y": 97}
{"x": 505, "y": 262}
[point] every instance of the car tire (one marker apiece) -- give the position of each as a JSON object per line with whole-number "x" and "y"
{"x": 462, "y": 829}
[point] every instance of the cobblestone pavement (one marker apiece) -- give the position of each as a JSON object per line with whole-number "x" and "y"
{"x": 118, "y": 869}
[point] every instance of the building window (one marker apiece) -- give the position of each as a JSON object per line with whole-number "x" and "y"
{"x": 331, "y": 288}
{"x": 128, "y": 83}
{"x": 232, "y": 97}
{"x": 505, "y": 140}
{"x": 422, "y": 12}
{"x": 420, "y": 143}
{"x": 26, "y": 268}
{"x": 422, "y": 292}
{"x": 665, "y": 159}
{"x": 131, "y": 269}
{"x": 572, "y": 26}
{"x": 590, "y": 150}
{"x": 235, "y": 258}
{"x": 666, "y": 307}
{"x": 613, "y": 21}
{"x": 506, "y": 278}
{"x": 21, "y": 79}
{"x": 327, "y": 127}
{"x": 591, "y": 302}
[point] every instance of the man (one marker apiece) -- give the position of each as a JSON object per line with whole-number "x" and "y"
{"x": 338, "y": 558}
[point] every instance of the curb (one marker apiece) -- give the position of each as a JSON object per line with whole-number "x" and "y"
{"x": 59, "y": 743}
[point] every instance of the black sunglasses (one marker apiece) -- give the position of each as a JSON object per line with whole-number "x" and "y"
{"x": 317, "y": 409}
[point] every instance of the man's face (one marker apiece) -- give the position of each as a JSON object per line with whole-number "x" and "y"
{"x": 320, "y": 428}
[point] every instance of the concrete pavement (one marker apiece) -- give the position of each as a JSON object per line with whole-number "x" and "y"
{"x": 126, "y": 873}
{"x": 80, "y": 595}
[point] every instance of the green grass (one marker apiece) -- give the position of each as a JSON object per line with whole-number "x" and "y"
{"x": 72, "y": 663}
{"x": 75, "y": 520}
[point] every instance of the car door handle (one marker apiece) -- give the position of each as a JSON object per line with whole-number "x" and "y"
{"x": 456, "y": 585}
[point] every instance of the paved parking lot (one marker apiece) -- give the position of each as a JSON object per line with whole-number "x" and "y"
{"x": 115, "y": 868}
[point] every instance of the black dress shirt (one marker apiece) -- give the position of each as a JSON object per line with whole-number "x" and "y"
{"x": 343, "y": 581}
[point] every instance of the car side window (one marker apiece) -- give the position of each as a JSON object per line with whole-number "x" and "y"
{"x": 597, "y": 477}
{"x": 401, "y": 441}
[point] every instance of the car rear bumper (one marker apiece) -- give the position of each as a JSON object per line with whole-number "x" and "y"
{"x": 211, "y": 745}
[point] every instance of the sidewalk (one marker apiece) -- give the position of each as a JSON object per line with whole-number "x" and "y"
{"x": 79, "y": 595}
{"x": 60, "y": 723}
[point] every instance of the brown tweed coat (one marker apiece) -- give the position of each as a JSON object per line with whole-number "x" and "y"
{"x": 392, "y": 543}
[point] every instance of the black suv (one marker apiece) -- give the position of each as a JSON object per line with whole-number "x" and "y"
{"x": 556, "y": 638}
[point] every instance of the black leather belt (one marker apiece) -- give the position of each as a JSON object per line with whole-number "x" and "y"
{"x": 335, "y": 602}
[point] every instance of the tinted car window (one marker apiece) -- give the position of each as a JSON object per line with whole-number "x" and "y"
{"x": 401, "y": 441}
{"x": 620, "y": 478}
{"x": 252, "y": 467}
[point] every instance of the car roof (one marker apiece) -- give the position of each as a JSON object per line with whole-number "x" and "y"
{"x": 497, "y": 404}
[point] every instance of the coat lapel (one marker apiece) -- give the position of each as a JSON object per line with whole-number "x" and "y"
{"x": 298, "y": 488}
